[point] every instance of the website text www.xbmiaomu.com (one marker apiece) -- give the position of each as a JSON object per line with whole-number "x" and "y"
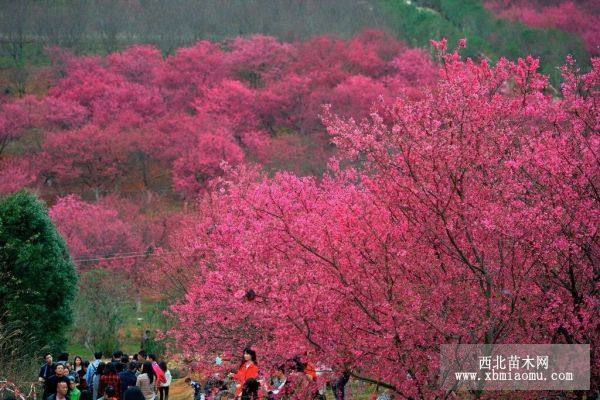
{"x": 515, "y": 367}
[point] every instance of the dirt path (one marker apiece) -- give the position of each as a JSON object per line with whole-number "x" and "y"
{"x": 179, "y": 390}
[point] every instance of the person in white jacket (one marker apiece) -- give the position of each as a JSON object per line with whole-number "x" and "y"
{"x": 163, "y": 389}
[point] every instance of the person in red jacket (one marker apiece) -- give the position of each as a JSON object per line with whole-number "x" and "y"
{"x": 160, "y": 374}
{"x": 311, "y": 371}
{"x": 248, "y": 370}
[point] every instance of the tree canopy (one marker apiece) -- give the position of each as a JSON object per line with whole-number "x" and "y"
{"x": 37, "y": 277}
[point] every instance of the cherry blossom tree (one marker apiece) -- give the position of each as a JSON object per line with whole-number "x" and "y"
{"x": 138, "y": 64}
{"x": 111, "y": 235}
{"x": 194, "y": 169}
{"x": 16, "y": 118}
{"x": 188, "y": 73}
{"x": 467, "y": 216}
{"x": 95, "y": 234}
{"x": 132, "y": 119}
{"x": 90, "y": 157}
{"x": 16, "y": 174}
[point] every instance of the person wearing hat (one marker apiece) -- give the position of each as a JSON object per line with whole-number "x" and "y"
{"x": 75, "y": 392}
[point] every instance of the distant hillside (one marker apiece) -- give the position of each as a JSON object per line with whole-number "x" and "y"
{"x": 105, "y": 26}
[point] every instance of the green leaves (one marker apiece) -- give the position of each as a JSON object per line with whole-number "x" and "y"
{"x": 39, "y": 280}
{"x": 487, "y": 35}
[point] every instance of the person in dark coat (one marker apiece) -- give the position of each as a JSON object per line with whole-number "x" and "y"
{"x": 62, "y": 390}
{"x": 47, "y": 369}
{"x": 128, "y": 377}
{"x": 60, "y": 374}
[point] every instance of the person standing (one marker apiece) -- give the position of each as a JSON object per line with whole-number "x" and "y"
{"x": 128, "y": 377}
{"x": 124, "y": 362}
{"x": 142, "y": 355}
{"x": 146, "y": 382}
{"x": 145, "y": 339}
{"x": 82, "y": 384}
{"x": 70, "y": 370}
{"x": 62, "y": 390}
{"x": 51, "y": 382}
{"x": 75, "y": 393}
{"x": 277, "y": 383}
{"x": 163, "y": 389}
{"x": 116, "y": 360}
{"x": 91, "y": 374}
{"x": 77, "y": 364}
{"x": 97, "y": 377}
{"x": 248, "y": 370}
{"x": 47, "y": 369}
{"x": 159, "y": 373}
{"x": 76, "y": 368}
{"x": 110, "y": 378}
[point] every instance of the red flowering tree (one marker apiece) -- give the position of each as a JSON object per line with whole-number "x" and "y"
{"x": 468, "y": 216}
{"x": 132, "y": 120}
{"x": 187, "y": 74}
{"x": 15, "y": 118}
{"x": 95, "y": 234}
{"x": 138, "y": 64}
{"x": 260, "y": 60}
{"x": 111, "y": 234}
{"x": 194, "y": 169}
{"x": 16, "y": 174}
{"x": 91, "y": 157}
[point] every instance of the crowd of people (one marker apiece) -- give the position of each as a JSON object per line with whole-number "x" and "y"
{"x": 144, "y": 377}
{"x": 296, "y": 378}
{"x": 125, "y": 377}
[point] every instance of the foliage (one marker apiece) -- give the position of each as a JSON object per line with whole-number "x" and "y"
{"x": 579, "y": 17}
{"x": 108, "y": 122}
{"x": 105, "y": 27}
{"x": 38, "y": 280}
{"x": 427, "y": 203}
{"x": 17, "y": 365}
{"x": 95, "y": 233}
{"x": 488, "y": 37}
{"x": 469, "y": 215}
{"x": 101, "y": 309}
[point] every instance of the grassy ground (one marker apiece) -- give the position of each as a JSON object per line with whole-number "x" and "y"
{"x": 130, "y": 333}
{"x": 128, "y": 346}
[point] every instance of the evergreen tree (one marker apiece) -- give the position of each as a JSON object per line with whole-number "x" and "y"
{"x": 37, "y": 276}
